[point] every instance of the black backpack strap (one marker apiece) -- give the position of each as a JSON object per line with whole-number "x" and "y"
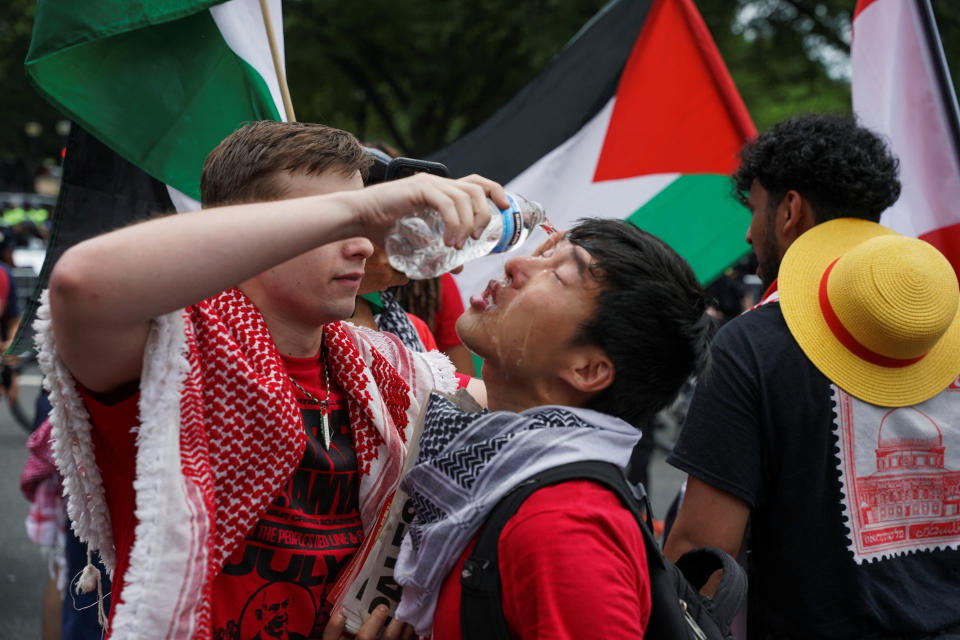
{"x": 481, "y": 611}
{"x": 697, "y": 565}
{"x": 677, "y": 610}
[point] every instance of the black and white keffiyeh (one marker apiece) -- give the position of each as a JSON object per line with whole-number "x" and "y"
{"x": 394, "y": 319}
{"x": 467, "y": 463}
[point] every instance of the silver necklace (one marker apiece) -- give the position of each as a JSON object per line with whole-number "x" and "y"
{"x": 323, "y": 404}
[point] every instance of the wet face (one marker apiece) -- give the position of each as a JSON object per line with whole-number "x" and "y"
{"x": 379, "y": 275}
{"x": 321, "y": 285}
{"x": 762, "y": 234}
{"x": 521, "y": 323}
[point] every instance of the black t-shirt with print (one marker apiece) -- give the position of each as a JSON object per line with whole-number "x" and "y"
{"x": 760, "y": 427}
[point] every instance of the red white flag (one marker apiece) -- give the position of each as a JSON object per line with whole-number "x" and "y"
{"x": 902, "y": 90}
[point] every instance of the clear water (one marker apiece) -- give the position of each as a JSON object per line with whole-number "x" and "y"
{"x": 415, "y": 244}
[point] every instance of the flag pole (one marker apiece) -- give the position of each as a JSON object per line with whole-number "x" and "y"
{"x": 942, "y": 72}
{"x": 278, "y": 67}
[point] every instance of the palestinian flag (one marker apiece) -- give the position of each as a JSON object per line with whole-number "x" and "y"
{"x": 902, "y": 89}
{"x": 151, "y": 87}
{"x": 636, "y": 118}
{"x": 159, "y": 82}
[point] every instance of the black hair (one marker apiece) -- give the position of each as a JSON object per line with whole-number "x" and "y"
{"x": 650, "y": 318}
{"x": 841, "y": 168}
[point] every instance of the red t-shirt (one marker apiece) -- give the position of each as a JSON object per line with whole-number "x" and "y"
{"x": 6, "y": 283}
{"x": 451, "y": 308}
{"x": 426, "y": 336}
{"x": 277, "y": 579}
{"x": 572, "y": 566}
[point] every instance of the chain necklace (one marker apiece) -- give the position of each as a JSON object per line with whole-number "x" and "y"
{"x": 312, "y": 400}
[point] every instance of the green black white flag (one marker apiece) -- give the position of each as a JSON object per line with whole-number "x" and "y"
{"x": 637, "y": 118}
{"x": 160, "y": 83}
{"x": 152, "y": 86}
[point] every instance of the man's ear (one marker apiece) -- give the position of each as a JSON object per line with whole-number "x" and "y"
{"x": 794, "y": 216}
{"x": 587, "y": 369}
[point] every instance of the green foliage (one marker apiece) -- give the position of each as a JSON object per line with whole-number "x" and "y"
{"x": 947, "y": 14}
{"x": 419, "y": 73}
{"x": 786, "y": 57}
{"x": 19, "y": 103}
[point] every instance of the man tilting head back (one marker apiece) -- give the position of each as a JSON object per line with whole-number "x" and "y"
{"x": 582, "y": 342}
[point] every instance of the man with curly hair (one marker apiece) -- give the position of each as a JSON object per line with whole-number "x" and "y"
{"x": 805, "y": 171}
{"x": 760, "y": 441}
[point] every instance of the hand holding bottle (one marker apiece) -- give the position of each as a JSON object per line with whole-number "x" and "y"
{"x": 417, "y": 244}
{"x": 461, "y": 205}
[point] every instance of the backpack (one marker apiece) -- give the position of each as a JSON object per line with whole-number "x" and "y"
{"x": 678, "y": 610}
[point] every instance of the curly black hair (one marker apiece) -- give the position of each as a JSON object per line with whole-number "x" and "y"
{"x": 843, "y": 169}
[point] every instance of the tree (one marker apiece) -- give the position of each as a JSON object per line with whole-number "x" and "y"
{"x": 793, "y": 56}
{"x": 20, "y": 153}
{"x": 785, "y": 56}
{"x": 420, "y": 72}
{"x": 417, "y": 74}
{"x": 947, "y": 13}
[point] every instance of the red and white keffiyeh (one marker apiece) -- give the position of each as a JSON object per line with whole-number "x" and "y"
{"x": 40, "y": 485}
{"x": 219, "y": 433}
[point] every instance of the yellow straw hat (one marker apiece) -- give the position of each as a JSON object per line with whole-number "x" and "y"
{"x": 877, "y": 313}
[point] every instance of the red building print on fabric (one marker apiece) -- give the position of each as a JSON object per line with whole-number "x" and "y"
{"x": 900, "y": 472}
{"x": 911, "y": 479}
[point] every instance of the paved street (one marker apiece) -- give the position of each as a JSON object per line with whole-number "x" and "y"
{"x": 23, "y": 574}
{"x": 665, "y": 481}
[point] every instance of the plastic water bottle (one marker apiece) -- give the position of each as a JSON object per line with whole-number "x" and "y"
{"x": 415, "y": 244}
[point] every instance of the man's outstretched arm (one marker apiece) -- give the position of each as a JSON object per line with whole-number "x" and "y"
{"x": 708, "y": 517}
{"x": 105, "y": 291}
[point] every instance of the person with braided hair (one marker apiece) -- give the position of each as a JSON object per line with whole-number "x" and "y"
{"x": 378, "y": 307}
{"x": 220, "y": 432}
{"x": 434, "y": 303}
{"x": 437, "y": 302}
